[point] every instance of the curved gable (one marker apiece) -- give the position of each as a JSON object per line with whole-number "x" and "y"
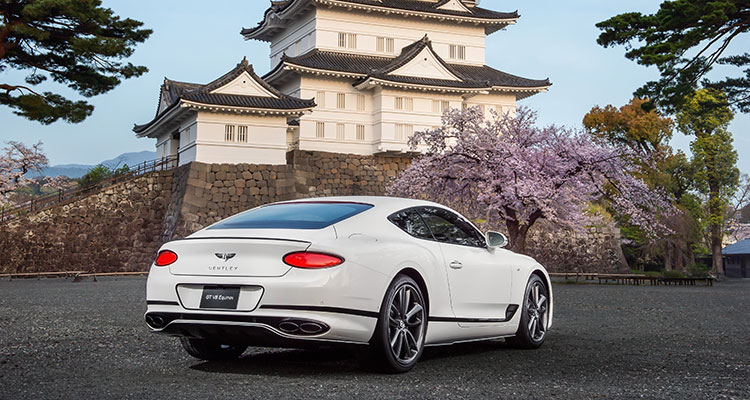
{"x": 244, "y": 85}
{"x": 426, "y": 64}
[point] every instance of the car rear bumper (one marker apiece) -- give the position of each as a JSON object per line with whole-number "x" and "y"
{"x": 301, "y": 308}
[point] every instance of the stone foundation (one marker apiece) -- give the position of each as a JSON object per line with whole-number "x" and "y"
{"x": 595, "y": 249}
{"x": 115, "y": 230}
{"x": 122, "y": 227}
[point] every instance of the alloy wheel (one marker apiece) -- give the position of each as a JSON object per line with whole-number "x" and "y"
{"x": 537, "y": 307}
{"x": 406, "y": 321}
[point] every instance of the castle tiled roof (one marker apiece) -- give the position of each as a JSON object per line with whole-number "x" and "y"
{"x": 174, "y": 92}
{"x": 478, "y": 15}
{"x": 364, "y": 67}
{"x": 420, "y": 6}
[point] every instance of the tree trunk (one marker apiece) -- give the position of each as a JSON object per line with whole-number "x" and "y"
{"x": 718, "y": 263}
{"x": 715, "y": 215}
{"x": 690, "y": 254}
{"x": 517, "y": 236}
{"x": 679, "y": 257}
{"x": 667, "y": 256}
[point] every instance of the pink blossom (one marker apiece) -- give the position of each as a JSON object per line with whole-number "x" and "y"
{"x": 508, "y": 170}
{"x": 16, "y": 160}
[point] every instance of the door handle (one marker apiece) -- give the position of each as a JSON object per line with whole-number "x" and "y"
{"x": 456, "y": 265}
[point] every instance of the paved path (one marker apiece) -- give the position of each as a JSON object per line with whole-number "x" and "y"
{"x": 60, "y": 339}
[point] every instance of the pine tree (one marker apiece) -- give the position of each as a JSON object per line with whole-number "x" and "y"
{"x": 76, "y": 43}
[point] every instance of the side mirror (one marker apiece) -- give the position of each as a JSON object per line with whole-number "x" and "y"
{"x": 496, "y": 239}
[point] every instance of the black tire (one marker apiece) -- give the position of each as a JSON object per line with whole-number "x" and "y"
{"x": 529, "y": 335}
{"x": 209, "y": 350}
{"x": 394, "y": 325}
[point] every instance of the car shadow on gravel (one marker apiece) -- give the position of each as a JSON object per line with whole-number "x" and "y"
{"x": 287, "y": 362}
{"x": 331, "y": 362}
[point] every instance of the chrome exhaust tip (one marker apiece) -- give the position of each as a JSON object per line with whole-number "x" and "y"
{"x": 289, "y": 327}
{"x": 311, "y": 328}
{"x": 155, "y": 321}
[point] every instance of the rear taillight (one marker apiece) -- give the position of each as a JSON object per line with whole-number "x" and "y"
{"x": 165, "y": 257}
{"x": 306, "y": 259}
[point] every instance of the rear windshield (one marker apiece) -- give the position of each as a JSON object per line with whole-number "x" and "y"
{"x": 293, "y": 216}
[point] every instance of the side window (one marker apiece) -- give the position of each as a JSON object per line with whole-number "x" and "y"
{"x": 410, "y": 222}
{"x": 448, "y": 227}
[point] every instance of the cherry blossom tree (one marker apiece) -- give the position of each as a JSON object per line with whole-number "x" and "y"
{"x": 517, "y": 173}
{"x": 16, "y": 160}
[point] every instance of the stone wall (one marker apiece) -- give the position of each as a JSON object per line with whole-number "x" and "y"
{"x": 117, "y": 229}
{"x": 595, "y": 249}
{"x": 215, "y": 191}
{"x": 122, "y": 227}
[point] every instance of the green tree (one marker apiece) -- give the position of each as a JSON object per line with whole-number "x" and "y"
{"x": 685, "y": 39}
{"x": 707, "y": 116}
{"x": 76, "y": 43}
{"x": 99, "y": 173}
{"x": 648, "y": 133}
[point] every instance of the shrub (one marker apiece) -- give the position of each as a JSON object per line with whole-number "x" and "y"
{"x": 100, "y": 173}
{"x": 698, "y": 270}
{"x": 673, "y": 274}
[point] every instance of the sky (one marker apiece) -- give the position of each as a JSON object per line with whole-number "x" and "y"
{"x": 196, "y": 41}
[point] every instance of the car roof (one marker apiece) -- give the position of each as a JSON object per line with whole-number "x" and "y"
{"x": 381, "y": 202}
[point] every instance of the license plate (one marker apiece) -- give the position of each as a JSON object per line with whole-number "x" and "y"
{"x": 220, "y": 297}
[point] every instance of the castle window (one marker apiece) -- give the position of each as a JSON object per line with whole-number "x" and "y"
{"x": 186, "y": 135}
{"x": 229, "y": 133}
{"x": 404, "y": 103}
{"x": 361, "y": 133}
{"x": 385, "y": 45}
{"x": 320, "y": 130}
{"x": 457, "y": 52}
{"x": 440, "y": 106}
{"x": 347, "y": 40}
{"x": 341, "y": 100}
{"x": 242, "y": 134}
{"x": 404, "y": 131}
{"x": 340, "y": 132}
{"x": 320, "y": 98}
{"x": 360, "y": 102}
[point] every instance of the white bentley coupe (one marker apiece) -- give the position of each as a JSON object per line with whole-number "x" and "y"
{"x": 388, "y": 275}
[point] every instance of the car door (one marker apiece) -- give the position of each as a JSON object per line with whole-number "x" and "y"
{"x": 479, "y": 280}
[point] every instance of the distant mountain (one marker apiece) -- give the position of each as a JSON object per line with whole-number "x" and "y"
{"x": 78, "y": 170}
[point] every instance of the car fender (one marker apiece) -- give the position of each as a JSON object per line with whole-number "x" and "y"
{"x": 524, "y": 267}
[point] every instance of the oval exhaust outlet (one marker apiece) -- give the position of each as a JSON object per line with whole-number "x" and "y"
{"x": 310, "y": 328}
{"x": 289, "y": 327}
{"x": 155, "y": 321}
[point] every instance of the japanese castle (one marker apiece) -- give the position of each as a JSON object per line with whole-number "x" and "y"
{"x": 347, "y": 76}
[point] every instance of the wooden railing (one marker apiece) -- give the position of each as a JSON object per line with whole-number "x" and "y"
{"x": 633, "y": 279}
{"x": 65, "y": 196}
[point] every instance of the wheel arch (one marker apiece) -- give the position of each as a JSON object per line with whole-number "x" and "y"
{"x": 542, "y": 274}
{"x": 414, "y": 274}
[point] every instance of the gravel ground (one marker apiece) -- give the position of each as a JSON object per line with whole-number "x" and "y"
{"x": 60, "y": 339}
